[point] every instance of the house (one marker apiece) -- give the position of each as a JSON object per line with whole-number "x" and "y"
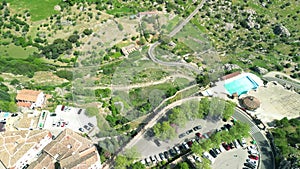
{"x": 31, "y": 98}
{"x": 68, "y": 150}
{"x": 129, "y": 49}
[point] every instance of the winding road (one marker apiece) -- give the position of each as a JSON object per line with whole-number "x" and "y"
{"x": 171, "y": 34}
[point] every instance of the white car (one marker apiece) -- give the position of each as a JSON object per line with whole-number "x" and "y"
{"x": 209, "y": 157}
{"x": 185, "y": 145}
{"x": 154, "y": 161}
{"x": 197, "y": 158}
{"x": 254, "y": 162}
{"x": 158, "y": 158}
{"x": 244, "y": 143}
{"x": 148, "y": 161}
{"x": 237, "y": 144}
{"x": 177, "y": 150}
{"x": 222, "y": 149}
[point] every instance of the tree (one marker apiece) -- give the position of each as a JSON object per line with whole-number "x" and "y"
{"x": 164, "y": 131}
{"x": 203, "y": 80}
{"x": 12, "y": 107}
{"x": 138, "y": 165}
{"x": 197, "y": 149}
{"x": 87, "y": 31}
{"x": 165, "y": 39}
{"x": 122, "y": 162}
{"x": 73, "y": 38}
{"x": 183, "y": 165}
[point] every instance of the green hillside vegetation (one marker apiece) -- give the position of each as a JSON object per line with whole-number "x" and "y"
{"x": 286, "y": 138}
{"x": 37, "y": 9}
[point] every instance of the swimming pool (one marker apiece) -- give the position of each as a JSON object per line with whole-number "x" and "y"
{"x": 241, "y": 85}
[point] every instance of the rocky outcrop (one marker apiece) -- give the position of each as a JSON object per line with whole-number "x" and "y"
{"x": 281, "y": 30}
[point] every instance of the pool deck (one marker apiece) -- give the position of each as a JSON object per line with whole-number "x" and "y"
{"x": 220, "y": 91}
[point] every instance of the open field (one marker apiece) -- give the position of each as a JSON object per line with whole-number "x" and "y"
{"x": 37, "y": 9}
{"x": 14, "y": 51}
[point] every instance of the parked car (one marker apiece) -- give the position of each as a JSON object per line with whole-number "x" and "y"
{"x": 14, "y": 114}
{"x": 228, "y": 126}
{"x": 162, "y": 156}
{"x": 251, "y": 161}
{"x": 90, "y": 124}
{"x": 148, "y": 161}
{"x": 249, "y": 165}
{"x": 217, "y": 151}
{"x": 63, "y": 124}
{"x": 143, "y": 162}
{"x": 197, "y": 128}
{"x": 79, "y": 111}
{"x": 208, "y": 156}
{"x": 173, "y": 152}
{"x": 81, "y": 129}
{"x": 158, "y": 158}
{"x": 153, "y": 160}
{"x": 157, "y": 142}
{"x": 226, "y": 146}
{"x": 190, "y": 143}
{"x": 212, "y": 153}
{"x": 205, "y": 136}
{"x": 185, "y": 145}
{"x": 166, "y": 155}
{"x": 236, "y": 144}
{"x": 197, "y": 158}
{"x": 182, "y": 135}
{"x": 254, "y": 157}
{"x": 189, "y": 132}
{"x": 231, "y": 145}
{"x": 198, "y": 135}
{"x": 86, "y": 127}
{"x": 58, "y": 124}
{"x": 177, "y": 150}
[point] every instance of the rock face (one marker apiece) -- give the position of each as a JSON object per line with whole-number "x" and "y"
{"x": 281, "y": 30}
{"x": 57, "y": 8}
{"x": 229, "y": 67}
{"x": 260, "y": 70}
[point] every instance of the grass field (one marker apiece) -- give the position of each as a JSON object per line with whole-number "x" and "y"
{"x": 38, "y": 9}
{"x": 16, "y": 51}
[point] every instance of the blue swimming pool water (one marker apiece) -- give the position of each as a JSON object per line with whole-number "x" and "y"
{"x": 241, "y": 85}
{"x": 6, "y": 114}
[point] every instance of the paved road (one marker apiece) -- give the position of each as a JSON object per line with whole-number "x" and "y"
{"x": 178, "y": 64}
{"x": 267, "y": 157}
{"x": 173, "y": 33}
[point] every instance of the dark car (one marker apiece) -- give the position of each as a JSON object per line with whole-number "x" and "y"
{"x": 226, "y": 146}
{"x": 198, "y": 135}
{"x": 52, "y": 114}
{"x": 79, "y": 111}
{"x": 81, "y": 129}
{"x": 190, "y": 143}
{"x": 231, "y": 145}
{"x": 157, "y": 142}
{"x": 228, "y": 126}
{"x": 216, "y": 151}
{"x": 212, "y": 153}
{"x": 249, "y": 165}
{"x": 189, "y": 131}
{"x": 14, "y": 114}
{"x": 182, "y": 135}
{"x": 166, "y": 155}
{"x": 86, "y": 127}
{"x": 172, "y": 152}
{"x": 90, "y": 124}
{"x": 197, "y": 128}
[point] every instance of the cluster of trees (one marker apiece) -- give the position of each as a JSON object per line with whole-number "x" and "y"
{"x": 58, "y": 47}
{"x": 6, "y": 101}
{"x": 126, "y": 161}
{"x": 286, "y": 138}
{"x": 179, "y": 116}
{"x": 26, "y": 66}
{"x": 103, "y": 93}
{"x": 65, "y": 74}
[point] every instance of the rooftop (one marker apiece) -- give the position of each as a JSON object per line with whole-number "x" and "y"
{"x": 14, "y": 144}
{"x": 28, "y": 95}
{"x": 70, "y": 149}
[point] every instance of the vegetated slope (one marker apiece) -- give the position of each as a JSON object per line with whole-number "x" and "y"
{"x": 254, "y": 33}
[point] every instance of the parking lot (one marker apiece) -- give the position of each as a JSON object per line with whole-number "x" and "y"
{"x": 147, "y": 147}
{"x": 231, "y": 159}
{"x": 68, "y": 117}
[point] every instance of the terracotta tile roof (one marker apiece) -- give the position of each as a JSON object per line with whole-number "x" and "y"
{"x": 231, "y": 75}
{"x": 28, "y": 95}
{"x": 23, "y": 104}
